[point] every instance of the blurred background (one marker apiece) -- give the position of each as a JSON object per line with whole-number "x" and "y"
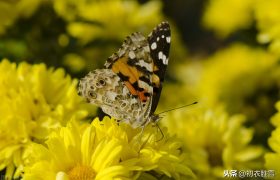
{"x": 79, "y": 36}
{"x": 224, "y": 54}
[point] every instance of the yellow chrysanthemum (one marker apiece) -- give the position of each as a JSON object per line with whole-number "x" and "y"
{"x": 107, "y": 28}
{"x": 272, "y": 158}
{"x": 115, "y": 19}
{"x": 239, "y": 14}
{"x": 245, "y": 68}
{"x": 11, "y": 10}
{"x": 214, "y": 141}
{"x": 268, "y": 22}
{"x": 78, "y": 153}
{"x": 106, "y": 150}
{"x": 275, "y": 119}
{"x": 225, "y": 17}
{"x": 244, "y": 79}
{"x": 34, "y": 100}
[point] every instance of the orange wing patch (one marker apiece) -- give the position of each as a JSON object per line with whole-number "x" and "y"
{"x": 130, "y": 75}
{"x": 120, "y": 66}
{"x": 131, "y": 89}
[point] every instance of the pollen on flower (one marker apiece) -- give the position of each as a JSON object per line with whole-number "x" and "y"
{"x": 81, "y": 172}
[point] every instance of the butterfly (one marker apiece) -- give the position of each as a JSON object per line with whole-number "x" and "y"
{"x": 128, "y": 88}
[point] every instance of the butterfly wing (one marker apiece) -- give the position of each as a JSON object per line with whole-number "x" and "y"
{"x": 134, "y": 65}
{"x": 129, "y": 87}
{"x": 159, "y": 44}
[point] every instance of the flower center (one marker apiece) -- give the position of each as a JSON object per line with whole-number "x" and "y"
{"x": 81, "y": 172}
{"x": 215, "y": 158}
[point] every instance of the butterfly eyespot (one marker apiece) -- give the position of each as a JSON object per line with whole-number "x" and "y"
{"x": 92, "y": 94}
{"x": 123, "y": 105}
{"x": 102, "y": 82}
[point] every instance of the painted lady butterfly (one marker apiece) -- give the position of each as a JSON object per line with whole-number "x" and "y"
{"x": 129, "y": 86}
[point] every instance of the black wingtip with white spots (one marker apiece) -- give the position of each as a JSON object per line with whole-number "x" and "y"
{"x": 163, "y": 26}
{"x": 159, "y": 42}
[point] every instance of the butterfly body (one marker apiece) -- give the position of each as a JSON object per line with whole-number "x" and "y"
{"x": 129, "y": 86}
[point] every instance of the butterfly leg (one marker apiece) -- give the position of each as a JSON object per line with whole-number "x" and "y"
{"x": 162, "y": 135}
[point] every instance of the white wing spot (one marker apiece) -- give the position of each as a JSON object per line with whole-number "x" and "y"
{"x": 131, "y": 55}
{"x": 165, "y": 61}
{"x": 148, "y": 66}
{"x": 154, "y": 46}
{"x": 157, "y": 38}
{"x": 111, "y": 95}
{"x": 144, "y": 85}
{"x": 162, "y": 36}
{"x": 160, "y": 54}
{"x": 163, "y": 58}
{"x": 121, "y": 52}
{"x": 168, "y": 39}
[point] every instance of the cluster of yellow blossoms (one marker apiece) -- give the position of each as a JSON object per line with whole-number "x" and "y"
{"x": 47, "y": 131}
{"x": 227, "y": 17}
{"x": 255, "y": 91}
{"x": 34, "y": 101}
{"x": 43, "y": 133}
{"x": 106, "y": 150}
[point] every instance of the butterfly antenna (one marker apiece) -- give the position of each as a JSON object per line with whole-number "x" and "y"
{"x": 178, "y": 108}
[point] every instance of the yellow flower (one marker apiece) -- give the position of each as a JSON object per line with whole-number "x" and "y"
{"x": 104, "y": 21}
{"x": 275, "y": 119}
{"x": 244, "y": 79}
{"x": 34, "y": 101}
{"x": 11, "y": 10}
{"x": 214, "y": 141}
{"x": 225, "y": 17}
{"x": 239, "y": 14}
{"x": 244, "y": 65}
{"x": 268, "y": 23}
{"x": 109, "y": 19}
{"x": 106, "y": 150}
{"x": 272, "y": 158}
{"x": 74, "y": 153}
{"x": 101, "y": 27}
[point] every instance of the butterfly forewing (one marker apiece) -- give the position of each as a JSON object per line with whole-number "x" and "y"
{"x": 133, "y": 64}
{"x": 159, "y": 44}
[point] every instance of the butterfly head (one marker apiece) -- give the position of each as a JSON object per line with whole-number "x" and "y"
{"x": 154, "y": 118}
